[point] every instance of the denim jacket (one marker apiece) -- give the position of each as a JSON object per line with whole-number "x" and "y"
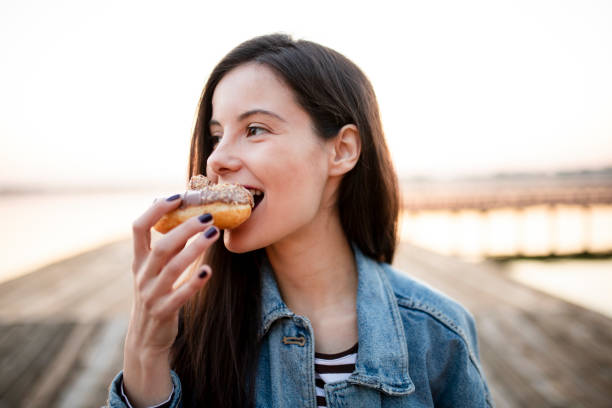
{"x": 417, "y": 348}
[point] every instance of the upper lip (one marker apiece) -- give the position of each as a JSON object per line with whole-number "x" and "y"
{"x": 251, "y": 187}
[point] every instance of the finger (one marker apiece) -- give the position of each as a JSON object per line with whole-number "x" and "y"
{"x": 171, "y": 272}
{"x": 172, "y": 242}
{"x": 141, "y": 228}
{"x": 171, "y": 303}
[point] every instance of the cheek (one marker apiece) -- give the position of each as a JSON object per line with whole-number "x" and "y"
{"x": 294, "y": 183}
{"x": 299, "y": 184}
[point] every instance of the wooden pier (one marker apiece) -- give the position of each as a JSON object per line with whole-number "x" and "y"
{"x": 488, "y": 194}
{"x": 483, "y": 201}
{"x": 62, "y": 328}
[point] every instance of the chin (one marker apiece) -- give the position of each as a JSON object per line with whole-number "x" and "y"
{"x": 239, "y": 243}
{"x": 232, "y": 246}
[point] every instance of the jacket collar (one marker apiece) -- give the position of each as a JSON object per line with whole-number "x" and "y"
{"x": 382, "y": 359}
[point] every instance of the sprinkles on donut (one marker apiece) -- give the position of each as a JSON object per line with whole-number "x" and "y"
{"x": 229, "y": 204}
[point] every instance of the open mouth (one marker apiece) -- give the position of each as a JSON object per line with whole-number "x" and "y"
{"x": 258, "y": 195}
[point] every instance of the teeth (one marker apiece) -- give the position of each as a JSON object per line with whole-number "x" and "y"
{"x": 255, "y": 192}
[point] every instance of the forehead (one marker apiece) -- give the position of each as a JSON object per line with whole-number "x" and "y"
{"x": 253, "y": 86}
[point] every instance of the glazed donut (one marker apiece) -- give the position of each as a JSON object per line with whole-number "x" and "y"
{"x": 229, "y": 204}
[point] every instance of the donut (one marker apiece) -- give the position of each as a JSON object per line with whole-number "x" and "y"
{"x": 229, "y": 204}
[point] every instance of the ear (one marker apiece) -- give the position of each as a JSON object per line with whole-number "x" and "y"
{"x": 344, "y": 150}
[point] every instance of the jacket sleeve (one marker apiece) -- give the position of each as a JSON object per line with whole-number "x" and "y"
{"x": 460, "y": 381}
{"x": 116, "y": 399}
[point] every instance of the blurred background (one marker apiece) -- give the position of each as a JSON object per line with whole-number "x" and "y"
{"x": 497, "y": 114}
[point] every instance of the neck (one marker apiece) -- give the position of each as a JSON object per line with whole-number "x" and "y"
{"x": 315, "y": 269}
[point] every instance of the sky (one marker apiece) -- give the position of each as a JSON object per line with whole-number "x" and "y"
{"x": 105, "y": 92}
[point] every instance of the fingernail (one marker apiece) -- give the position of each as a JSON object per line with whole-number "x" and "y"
{"x": 203, "y": 274}
{"x": 204, "y": 218}
{"x": 174, "y": 197}
{"x": 211, "y": 232}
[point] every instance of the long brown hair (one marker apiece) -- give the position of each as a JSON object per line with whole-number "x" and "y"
{"x": 216, "y": 351}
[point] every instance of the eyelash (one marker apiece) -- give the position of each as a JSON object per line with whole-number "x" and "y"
{"x": 249, "y": 128}
{"x": 216, "y": 139}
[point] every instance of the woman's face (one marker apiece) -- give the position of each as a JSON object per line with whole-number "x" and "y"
{"x": 266, "y": 142}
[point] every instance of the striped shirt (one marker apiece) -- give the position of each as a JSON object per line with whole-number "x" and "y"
{"x": 331, "y": 368}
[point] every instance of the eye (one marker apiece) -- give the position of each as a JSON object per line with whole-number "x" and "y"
{"x": 254, "y": 130}
{"x": 215, "y": 140}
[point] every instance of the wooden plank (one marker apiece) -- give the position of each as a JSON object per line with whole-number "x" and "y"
{"x": 102, "y": 358}
{"x": 8, "y": 335}
{"x": 44, "y": 391}
{"x": 555, "y": 364}
{"x": 539, "y": 350}
{"x": 57, "y": 274}
{"x": 536, "y": 350}
{"x": 507, "y": 385}
{"x": 110, "y": 299}
{"x": 523, "y": 371}
{"x": 499, "y": 391}
{"x": 31, "y": 353}
{"x": 58, "y": 290}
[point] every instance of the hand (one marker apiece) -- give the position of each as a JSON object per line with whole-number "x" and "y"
{"x": 154, "y": 319}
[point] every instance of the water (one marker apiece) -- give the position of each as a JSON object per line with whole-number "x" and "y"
{"x": 473, "y": 235}
{"x": 584, "y": 282}
{"x": 532, "y": 231}
{"x": 40, "y": 229}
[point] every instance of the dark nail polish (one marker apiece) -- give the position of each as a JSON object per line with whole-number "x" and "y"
{"x": 204, "y": 218}
{"x": 174, "y": 197}
{"x": 211, "y": 232}
{"x": 203, "y": 274}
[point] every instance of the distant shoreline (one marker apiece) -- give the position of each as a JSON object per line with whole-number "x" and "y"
{"x": 6, "y": 191}
{"x": 593, "y": 175}
{"x": 601, "y": 176}
{"x": 552, "y": 257}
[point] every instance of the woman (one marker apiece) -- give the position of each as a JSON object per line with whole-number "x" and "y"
{"x": 307, "y": 276}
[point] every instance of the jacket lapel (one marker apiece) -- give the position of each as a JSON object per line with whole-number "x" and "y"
{"x": 382, "y": 360}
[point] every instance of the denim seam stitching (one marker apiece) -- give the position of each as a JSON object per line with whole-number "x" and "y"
{"x": 390, "y": 388}
{"x": 397, "y": 319}
{"x": 448, "y": 323}
{"x": 269, "y": 318}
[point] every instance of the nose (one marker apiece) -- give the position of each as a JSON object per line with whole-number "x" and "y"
{"x": 224, "y": 159}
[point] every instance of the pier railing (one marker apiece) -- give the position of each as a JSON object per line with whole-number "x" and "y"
{"x": 489, "y": 195}
{"x": 463, "y": 217}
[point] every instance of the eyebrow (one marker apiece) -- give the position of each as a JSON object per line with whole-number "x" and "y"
{"x": 251, "y": 113}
